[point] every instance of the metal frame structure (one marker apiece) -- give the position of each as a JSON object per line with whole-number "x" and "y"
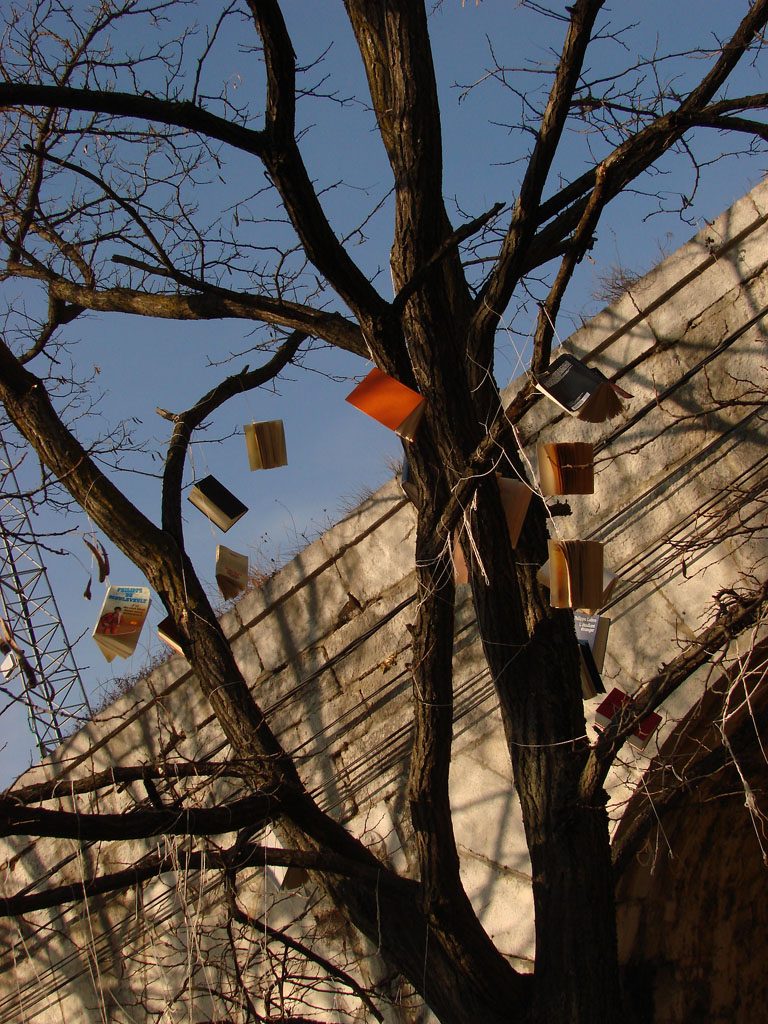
{"x": 37, "y": 666}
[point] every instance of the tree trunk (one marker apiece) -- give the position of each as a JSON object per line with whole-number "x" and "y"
{"x": 532, "y": 655}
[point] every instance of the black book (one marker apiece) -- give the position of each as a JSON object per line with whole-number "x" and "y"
{"x": 592, "y": 637}
{"x": 581, "y": 390}
{"x": 215, "y": 501}
{"x": 408, "y": 486}
{"x": 591, "y": 680}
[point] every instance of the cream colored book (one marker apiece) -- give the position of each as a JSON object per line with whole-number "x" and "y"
{"x": 515, "y": 499}
{"x": 265, "y": 443}
{"x": 609, "y": 582}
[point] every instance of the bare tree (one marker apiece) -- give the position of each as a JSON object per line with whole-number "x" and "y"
{"x": 102, "y": 150}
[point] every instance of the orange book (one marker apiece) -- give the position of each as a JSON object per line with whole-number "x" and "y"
{"x": 390, "y": 402}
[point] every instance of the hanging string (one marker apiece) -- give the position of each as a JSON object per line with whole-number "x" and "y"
{"x": 265, "y": 903}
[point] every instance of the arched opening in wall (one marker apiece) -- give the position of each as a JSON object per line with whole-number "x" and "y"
{"x": 692, "y": 863}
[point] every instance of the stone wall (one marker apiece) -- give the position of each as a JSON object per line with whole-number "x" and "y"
{"x": 681, "y": 482}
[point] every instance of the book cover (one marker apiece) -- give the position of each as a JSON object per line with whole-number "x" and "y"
{"x": 566, "y": 467}
{"x": 231, "y": 571}
{"x": 593, "y": 630}
{"x": 390, "y": 402}
{"x": 217, "y": 503}
{"x": 121, "y": 620}
{"x": 265, "y": 444}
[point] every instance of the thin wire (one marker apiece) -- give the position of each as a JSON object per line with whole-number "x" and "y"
{"x": 641, "y": 775}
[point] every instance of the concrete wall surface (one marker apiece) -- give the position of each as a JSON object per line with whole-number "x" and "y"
{"x": 679, "y": 504}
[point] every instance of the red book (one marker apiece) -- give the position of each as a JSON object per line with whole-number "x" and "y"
{"x": 611, "y": 706}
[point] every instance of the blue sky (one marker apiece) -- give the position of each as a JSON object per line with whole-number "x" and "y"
{"x": 334, "y": 451}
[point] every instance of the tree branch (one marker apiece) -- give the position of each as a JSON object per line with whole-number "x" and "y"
{"x": 738, "y": 612}
{"x": 232, "y": 860}
{"x": 214, "y": 303}
{"x": 545, "y": 327}
{"x": 696, "y": 753}
{"x": 185, "y": 423}
{"x": 495, "y": 294}
{"x": 251, "y": 811}
{"x": 639, "y": 152}
{"x": 120, "y": 776}
{"x": 131, "y": 105}
{"x": 240, "y": 916}
{"x": 284, "y": 163}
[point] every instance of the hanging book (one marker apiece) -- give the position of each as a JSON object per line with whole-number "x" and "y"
{"x": 592, "y": 638}
{"x": 120, "y": 620}
{"x": 613, "y": 704}
{"x": 231, "y": 571}
{"x": 576, "y": 574}
{"x": 581, "y": 390}
{"x": 265, "y": 443}
{"x": 566, "y": 467}
{"x": 15, "y": 659}
{"x": 515, "y": 499}
{"x": 390, "y": 402}
{"x": 608, "y": 582}
{"x": 215, "y": 501}
{"x": 169, "y": 634}
{"x": 407, "y": 484}
{"x": 294, "y": 877}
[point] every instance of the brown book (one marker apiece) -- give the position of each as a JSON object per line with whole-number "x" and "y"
{"x": 576, "y": 574}
{"x": 515, "y": 499}
{"x": 566, "y": 467}
{"x": 231, "y": 571}
{"x": 294, "y": 877}
{"x": 215, "y": 501}
{"x": 609, "y": 582}
{"x": 390, "y": 402}
{"x": 265, "y": 443}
